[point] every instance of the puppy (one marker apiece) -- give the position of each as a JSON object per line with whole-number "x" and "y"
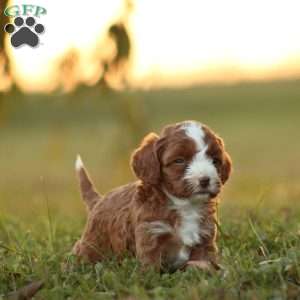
{"x": 167, "y": 218}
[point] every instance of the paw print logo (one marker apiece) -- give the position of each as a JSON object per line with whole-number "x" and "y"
{"x": 24, "y": 33}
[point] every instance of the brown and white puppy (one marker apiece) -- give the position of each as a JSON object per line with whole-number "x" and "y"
{"x": 167, "y": 218}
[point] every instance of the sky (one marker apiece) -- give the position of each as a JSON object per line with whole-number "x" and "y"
{"x": 175, "y": 42}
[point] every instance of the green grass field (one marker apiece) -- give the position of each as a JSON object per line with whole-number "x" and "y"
{"x": 41, "y": 213}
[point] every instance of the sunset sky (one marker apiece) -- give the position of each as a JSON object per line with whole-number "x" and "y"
{"x": 177, "y": 42}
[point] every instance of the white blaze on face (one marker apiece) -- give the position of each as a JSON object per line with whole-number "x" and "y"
{"x": 201, "y": 165}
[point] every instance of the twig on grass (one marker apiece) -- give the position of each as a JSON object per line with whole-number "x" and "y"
{"x": 26, "y": 292}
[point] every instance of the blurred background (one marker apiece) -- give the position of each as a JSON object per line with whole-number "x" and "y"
{"x": 108, "y": 72}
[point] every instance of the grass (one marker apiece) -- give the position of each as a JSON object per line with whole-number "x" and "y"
{"x": 41, "y": 214}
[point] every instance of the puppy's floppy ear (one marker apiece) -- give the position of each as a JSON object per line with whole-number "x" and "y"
{"x": 226, "y": 167}
{"x": 144, "y": 160}
{"x": 226, "y": 164}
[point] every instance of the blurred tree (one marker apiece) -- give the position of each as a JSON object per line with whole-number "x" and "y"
{"x": 119, "y": 34}
{"x": 116, "y": 67}
{"x": 68, "y": 66}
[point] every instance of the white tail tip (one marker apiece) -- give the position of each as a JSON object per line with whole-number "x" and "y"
{"x": 78, "y": 163}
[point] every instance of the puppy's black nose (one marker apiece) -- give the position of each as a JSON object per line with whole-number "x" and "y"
{"x": 204, "y": 182}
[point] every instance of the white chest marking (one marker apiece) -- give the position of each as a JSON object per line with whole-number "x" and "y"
{"x": 190, "y": 214}
{"x": 189, "y": 229}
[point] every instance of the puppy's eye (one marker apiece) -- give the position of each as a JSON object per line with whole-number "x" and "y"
{"x": 217, "y": 162}
{"x": 179, "y": 161}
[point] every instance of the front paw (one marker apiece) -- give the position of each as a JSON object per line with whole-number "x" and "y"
{"x": 76, "y": 248}
{"x": 159, "y": 228}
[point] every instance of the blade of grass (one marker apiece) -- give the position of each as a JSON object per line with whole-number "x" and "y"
{"x": 258, "y": 236}
{"x": 50, "y": 223}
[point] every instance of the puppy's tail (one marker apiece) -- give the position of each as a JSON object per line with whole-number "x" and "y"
{"x": 88, "y": 191}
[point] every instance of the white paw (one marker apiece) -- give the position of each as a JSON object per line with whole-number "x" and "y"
{"x": 160, "y": 228}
